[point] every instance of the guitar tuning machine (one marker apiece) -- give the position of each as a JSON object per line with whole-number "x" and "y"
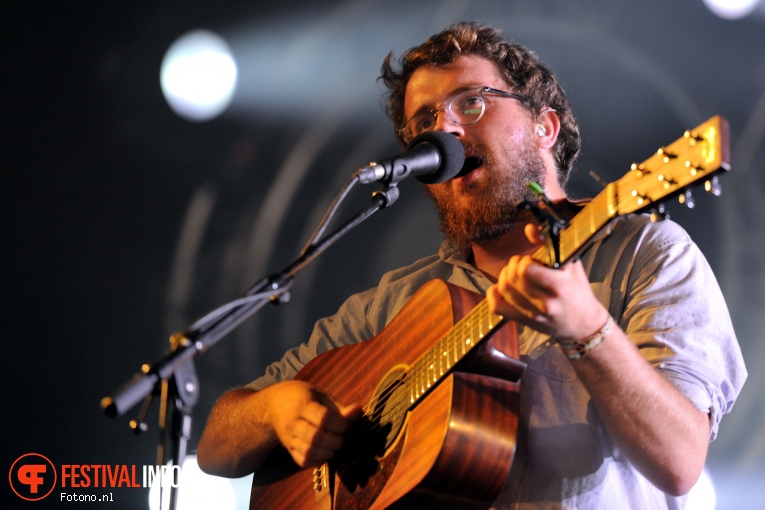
{"x": 694, "y": 168}
{"x": 666, "y": 155}
{"x": 640, "y": 169}
{"x": 668, "y": 181}
{"x": 713, "y": 186}
{"x": 693, "y": 137}
{"x": 659, "y": 213}
{"x": 687, "y": 199}
{"x": 641, "y": 197}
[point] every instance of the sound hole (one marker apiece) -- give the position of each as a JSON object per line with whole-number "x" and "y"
{"x": 374, "y": 434}
{"x": 389, "y": 408}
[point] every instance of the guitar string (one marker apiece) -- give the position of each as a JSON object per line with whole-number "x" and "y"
{"x": 410, "y": 377}
{"x": 407, "y": 379}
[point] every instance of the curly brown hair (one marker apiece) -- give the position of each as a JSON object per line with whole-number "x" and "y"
{"x": 523, "y": 71}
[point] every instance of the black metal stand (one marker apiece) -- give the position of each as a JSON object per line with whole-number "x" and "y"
{"x": 173, "y": 377}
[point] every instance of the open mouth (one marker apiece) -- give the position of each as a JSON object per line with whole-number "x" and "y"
{"x": 471, "y": 163}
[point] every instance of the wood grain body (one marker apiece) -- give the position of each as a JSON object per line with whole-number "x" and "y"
{"x": 457, "y": 443}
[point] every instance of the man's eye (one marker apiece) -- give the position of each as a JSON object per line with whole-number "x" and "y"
{"x": 425, "y": 122}
{"x": 471, "y": 105}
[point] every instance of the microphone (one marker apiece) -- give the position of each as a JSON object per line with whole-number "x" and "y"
{"x": 432, "y": 157}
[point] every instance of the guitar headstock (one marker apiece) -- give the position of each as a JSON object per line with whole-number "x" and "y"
{"x": 695, "y": 157}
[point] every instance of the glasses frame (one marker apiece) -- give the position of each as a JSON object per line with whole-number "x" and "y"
{"x": 448, "y": 108}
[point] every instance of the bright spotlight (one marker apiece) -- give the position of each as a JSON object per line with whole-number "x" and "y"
{"x": 731, "y": 9}
{"x": 198, "y": 75}
{"x": 702, "y": 495}
{"x": 196, "y": 491}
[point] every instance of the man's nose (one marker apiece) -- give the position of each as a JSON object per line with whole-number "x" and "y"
{"x": 447, "y": 125}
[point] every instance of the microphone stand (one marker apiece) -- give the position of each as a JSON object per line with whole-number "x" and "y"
{"x": 173, "y": 377}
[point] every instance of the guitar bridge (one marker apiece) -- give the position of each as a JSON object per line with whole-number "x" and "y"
{"x": 321, "y": 478}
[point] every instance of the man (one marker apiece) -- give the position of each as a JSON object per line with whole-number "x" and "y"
{"x": 618, "y": 409}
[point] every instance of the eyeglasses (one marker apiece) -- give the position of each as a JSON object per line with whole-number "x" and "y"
{"x": 464, "y": 109}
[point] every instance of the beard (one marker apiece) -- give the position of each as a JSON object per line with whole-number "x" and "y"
{"x": 490, "y": 209}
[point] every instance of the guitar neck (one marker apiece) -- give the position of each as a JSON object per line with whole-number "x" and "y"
{"x": 582, "y": 228}
{"x": 476, "y": 326}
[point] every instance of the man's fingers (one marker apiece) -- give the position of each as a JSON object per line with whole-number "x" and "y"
{"x": 330, "y": 416}
{"x": 351, "y": 412}
{"x": 319, "y": 431}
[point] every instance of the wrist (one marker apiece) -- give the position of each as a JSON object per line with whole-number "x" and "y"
{"x": 577, "y": 349}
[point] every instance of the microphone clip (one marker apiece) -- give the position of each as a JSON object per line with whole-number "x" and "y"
{"x": 549, "y": 218}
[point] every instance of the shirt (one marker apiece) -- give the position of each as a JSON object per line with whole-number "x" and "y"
{"x": 659, "y": 289}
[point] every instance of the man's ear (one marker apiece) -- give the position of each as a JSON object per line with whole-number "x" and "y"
{"x": 547, "y": 129}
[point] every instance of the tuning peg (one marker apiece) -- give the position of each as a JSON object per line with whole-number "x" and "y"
{"x": 667, "y": 181}
{"x": 687, "y": 199}
{"x": 659, "y": 213}
{"x": 693, "y": 137}
{"x": 713, "y": 186}
{"x": 641, "y": 198}
{"x": 693, "y": 167}
{"x": 666, "y": 155}
{"x": 639, "y": 169}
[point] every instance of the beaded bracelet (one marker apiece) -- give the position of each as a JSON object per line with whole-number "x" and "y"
{"x": 577, "y": 349}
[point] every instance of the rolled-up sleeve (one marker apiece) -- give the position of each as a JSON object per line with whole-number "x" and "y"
{"x": 676, "y": 314}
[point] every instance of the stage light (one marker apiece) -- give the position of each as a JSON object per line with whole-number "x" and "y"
{"x": 198, "y": 75}
{"x": 731, "y": 9}
{"x": 197, "y": 491}
{"x": 702, "y": 495}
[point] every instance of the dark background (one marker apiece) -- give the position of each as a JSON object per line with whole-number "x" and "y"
{"x": 122, "y": 222}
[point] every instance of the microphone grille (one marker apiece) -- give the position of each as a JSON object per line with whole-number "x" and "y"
{"x": 451, "y": 151}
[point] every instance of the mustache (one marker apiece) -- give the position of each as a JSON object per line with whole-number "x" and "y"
{"x": 475, "y": 157}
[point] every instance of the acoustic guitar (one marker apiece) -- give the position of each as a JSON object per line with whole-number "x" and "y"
{"x": 441, "y": 381}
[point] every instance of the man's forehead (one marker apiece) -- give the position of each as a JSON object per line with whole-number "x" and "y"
{"x": 429, "y": 85}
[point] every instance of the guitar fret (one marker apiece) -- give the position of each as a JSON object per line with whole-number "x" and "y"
{"x": 433, "y": 365}
{"x": 432, "y": 377}
{"x": 481, "y": 317}
{"x": 452, "y": 357}
{"x": 464, "y": 339}
{"x": 420, "y": 381}
{"x": 457, "y": 344}
{"x": 429, "y": 372}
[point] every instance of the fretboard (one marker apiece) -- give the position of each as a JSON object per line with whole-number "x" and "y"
{"x": 438, "y": 361}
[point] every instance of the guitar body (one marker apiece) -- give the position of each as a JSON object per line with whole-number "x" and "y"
{"x": 453, "y": 449}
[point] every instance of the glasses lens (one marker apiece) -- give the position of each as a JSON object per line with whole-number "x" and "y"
{"x": 467, "y": 108}
{"x": 464, "y": 109}
{"x": 419, "y": 124}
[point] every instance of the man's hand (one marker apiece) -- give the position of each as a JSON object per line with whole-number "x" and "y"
{"x": 309, "y": 424}
{"x": 558, "y": 302}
